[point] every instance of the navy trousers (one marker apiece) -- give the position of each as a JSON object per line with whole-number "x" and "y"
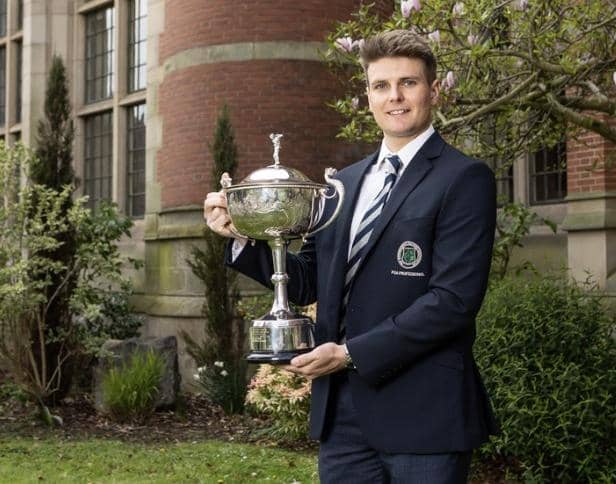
{"x": 346, "y": 457}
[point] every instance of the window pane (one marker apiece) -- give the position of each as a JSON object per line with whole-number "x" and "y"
{"x": 136, "y": 161}
{"x": 20, "y": 14}
{"x": 18, "y": 81}
{"x": 137, "y": 38}
{"x": 2, "y": 86}
{"x": 548, "y": 177}
{"x": 98, "y": 158}
{"x": 99, "y": 55}
{"x": 3, "y": 18}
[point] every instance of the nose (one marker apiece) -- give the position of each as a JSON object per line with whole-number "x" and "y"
{"x": 395, "y": 93}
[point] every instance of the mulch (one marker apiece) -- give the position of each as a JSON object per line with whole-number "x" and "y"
{"x": 195, "y": 419}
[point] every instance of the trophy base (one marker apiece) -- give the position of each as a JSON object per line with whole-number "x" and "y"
{"x": 282, "y": 358}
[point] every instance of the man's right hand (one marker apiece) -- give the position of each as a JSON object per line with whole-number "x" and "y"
{"x": 216, "y": 215}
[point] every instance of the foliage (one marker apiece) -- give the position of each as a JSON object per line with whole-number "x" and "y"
{"x": 130, "y": 391}
{"x": 515, "y": 74}
{"x": 97, "y": 460}
{"x": 513, "y": 224}
{"x": 32, "y": 219}
{"x": 547, "y": 353}
{"x": 285, "y": 397}
{"x": 224, "y": 334}
{"x": 224, "y": 384}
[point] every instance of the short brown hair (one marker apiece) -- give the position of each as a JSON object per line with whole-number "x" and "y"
{"x": 398, "y": 43}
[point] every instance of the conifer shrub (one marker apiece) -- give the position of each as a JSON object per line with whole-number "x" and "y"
{"x": 546, "y": 350}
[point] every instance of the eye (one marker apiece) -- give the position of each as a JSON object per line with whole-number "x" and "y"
{"x": 409, "y": 82}
{"x": 378, "y": 85}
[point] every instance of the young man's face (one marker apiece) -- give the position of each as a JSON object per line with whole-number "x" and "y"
{"x": 401, "y": 98}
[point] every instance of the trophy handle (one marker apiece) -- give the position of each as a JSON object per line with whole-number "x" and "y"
{"x": 226, "y": 182}
{"x": 339, "y": 190}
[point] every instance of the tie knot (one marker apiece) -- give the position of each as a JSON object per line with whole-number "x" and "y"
{"x": 395, "y": 162}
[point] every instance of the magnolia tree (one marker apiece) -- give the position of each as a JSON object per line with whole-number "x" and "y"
{"x": 515, "y": 75}
{"x": 32, "y": 219}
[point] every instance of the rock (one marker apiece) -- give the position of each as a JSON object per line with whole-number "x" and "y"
{"x": 121, "y": 352}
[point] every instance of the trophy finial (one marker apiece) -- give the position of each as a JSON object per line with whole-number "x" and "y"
{"x": 275, "y": 137}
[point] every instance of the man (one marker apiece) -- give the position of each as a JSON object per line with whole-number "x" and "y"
{"x": 399, "y": 278}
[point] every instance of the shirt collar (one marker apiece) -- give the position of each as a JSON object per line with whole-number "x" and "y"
{"x": 407, "y": 152}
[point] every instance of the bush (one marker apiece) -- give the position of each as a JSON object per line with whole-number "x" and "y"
{"x": 547, "y": 354}
{"x": 129, "y": 392}
{"x": 224, "y": 384}
{"x": 285, "y": 397}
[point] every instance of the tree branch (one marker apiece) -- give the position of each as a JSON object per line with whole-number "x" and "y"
{"x": 589, "y": 104}
{"x": 492, "y": 106}
{"x": 581, "y": 120}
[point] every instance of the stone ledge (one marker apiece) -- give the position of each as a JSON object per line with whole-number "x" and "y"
{"x": 172, "y": 306}
{"x": 603, "y": 220}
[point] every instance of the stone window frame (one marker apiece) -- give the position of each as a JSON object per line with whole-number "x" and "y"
{"x": 560, "y": 152}
{"x": 118, "y": 104}
{"x": 98, "y": 157}
{"x": 10, "y": 130}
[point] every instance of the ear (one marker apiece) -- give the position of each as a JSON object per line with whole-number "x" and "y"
{"x": 435, "y": 92}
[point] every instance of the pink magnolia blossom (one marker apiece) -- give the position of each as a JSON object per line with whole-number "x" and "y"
{"x": 345, "y": 43}
{"x": 450, "y": 81}
{"x": 435, "y": 36}
{"x": 458, "y": 9}
{"x": 521, "y": 5}
{"x": 360, "y": 43}
{"x": 407, "y": 5}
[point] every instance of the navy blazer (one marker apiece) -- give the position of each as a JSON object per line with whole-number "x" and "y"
{"x": 410, "y": 319}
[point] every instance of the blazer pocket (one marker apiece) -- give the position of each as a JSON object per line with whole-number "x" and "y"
{"x": 449, "y": 359}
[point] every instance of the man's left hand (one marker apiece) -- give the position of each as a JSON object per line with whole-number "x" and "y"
{"x": 324, "y": 359}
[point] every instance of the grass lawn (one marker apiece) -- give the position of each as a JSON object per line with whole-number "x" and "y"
{"x": 109, "y": 461}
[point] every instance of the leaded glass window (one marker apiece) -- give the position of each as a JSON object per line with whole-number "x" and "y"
{"x": 98, "y": 158}
{"x": 99, "y": 55}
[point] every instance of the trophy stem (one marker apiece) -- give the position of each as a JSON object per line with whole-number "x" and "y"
{"x": 280, "y": 277}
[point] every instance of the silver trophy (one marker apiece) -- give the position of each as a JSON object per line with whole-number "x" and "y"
{"x": 279, "y": 204}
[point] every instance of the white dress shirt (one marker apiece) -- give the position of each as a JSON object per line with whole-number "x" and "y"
{"x": 372, "y": 184}
{"x": 375, "y": 176}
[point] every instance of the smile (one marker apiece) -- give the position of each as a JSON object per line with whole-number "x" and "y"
{"x": 397, "y": 112}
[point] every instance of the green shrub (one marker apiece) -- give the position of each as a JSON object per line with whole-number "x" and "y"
{"x": 547, "y": 354}
{"x": 130, "y": 391}
{"x": 224, "y": 384}
{"x": 285, "y": 397}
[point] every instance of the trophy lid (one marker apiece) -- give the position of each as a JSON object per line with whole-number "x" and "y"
{"x": 277, "y": 174}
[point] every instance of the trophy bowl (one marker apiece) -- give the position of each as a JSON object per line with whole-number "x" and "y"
{"x": 278, "y": 204}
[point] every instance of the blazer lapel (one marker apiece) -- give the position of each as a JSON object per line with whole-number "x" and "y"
{"x": 351, "y": 178}
{"x": 419, "y": 166}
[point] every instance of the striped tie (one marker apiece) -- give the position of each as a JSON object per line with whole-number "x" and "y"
{"x": 366, "y": 226}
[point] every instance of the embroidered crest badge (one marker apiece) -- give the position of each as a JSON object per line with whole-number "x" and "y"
{"x": 409, "y": 255}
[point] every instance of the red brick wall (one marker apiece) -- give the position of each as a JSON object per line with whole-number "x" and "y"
{"x": 263, "y": 96}
{"x": 192, "y": 23}
{"x": 586, "y": 168}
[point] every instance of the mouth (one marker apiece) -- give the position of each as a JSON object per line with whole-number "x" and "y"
{"x": 398, "y": 112}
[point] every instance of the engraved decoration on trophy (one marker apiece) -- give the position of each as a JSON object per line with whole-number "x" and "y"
{"x": 278, "y": 204}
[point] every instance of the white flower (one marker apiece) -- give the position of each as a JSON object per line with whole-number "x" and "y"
{"x": 521, "y": 5}
{"x": 355, "y": 103}
{"x": 614, "y": 77}
{"x": 201, "y": 369}
{"x": 196, "y": 376}
{"x": 224, "y": 373}
{"x": 473, "y": 39}
{"x": 219, "y": 364}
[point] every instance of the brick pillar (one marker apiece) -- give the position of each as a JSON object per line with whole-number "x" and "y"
{"x": 591, "y": 210}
